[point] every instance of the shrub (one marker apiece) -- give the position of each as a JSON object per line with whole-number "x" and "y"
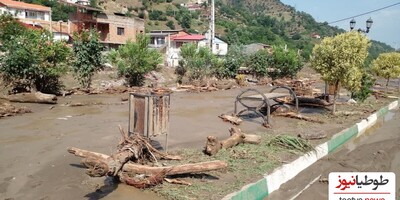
{"x": 196, "y": 62}
{"x": 88, "y": 59}
{"x": 32, "y": 60}
{"x": 233, "y": 60}
{"x": 134, "y": 60}
{"x": 171, "y": 25}
{"x": 286, "y": 63}
{"x": 259, "y": 62}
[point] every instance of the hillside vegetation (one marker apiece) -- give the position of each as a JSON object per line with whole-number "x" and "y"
{"x": 237, "y": 21}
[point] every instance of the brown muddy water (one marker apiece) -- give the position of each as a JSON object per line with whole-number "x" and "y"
{"x": 377, "y": 150}
{"x": 34, "y": 161}
{"x": 35, "y": 164}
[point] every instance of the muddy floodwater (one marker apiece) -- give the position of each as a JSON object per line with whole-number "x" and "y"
{"x": 34, "y": 161}
{"x": 378, "y": 150}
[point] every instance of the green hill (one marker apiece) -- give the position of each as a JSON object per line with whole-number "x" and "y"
{"x": 237, "y": 21}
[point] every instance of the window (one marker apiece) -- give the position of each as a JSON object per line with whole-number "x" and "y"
{"x": 120, "y": 31}
{"x": 217, "y": 46}
{"x": 31, "y": 15}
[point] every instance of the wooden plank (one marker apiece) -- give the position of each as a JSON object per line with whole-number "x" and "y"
{"x": 131, "y": 113}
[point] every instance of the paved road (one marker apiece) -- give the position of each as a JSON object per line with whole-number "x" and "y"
{"x": 377, "y": 150}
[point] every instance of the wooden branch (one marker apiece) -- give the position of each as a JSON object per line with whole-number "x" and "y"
{"x": 143, "y": 169}
{"x": 313, "y": 136}
{"x": 247, "y": 138}
{"x": 178, "y": 169}
{"x": 36, "y": 97}
{"x": 154, "y": 150}
{"x": 232, "y": 119}
{"x": 237, "y": 137}
{"x": 299, "y": 116}
{"x": 177, "y": 181}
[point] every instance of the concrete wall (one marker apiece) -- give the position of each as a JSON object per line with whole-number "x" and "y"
{"x": 108, "y": 25}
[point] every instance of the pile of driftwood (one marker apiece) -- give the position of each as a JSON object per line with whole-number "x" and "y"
{"x": 7, "y": 110}
{"x": 209, "y": 86}
{"x": 302, "y": 87}
{"x": 135, "y": 163}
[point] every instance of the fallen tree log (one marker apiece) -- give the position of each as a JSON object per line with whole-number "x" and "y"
{"x": 313, "y": 136}
{"x": 237, "y": 137}
{"x": 232, "y": 119}
{"x": 148, "y": 170}
{"x": 298, "y": 116}
{"x": 36, "y": 97}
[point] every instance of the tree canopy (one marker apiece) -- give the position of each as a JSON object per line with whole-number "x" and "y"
{"x": 340, "y": 60}
{"x": 387, "y": 65}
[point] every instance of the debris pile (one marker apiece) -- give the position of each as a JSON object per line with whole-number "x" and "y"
{"x": 136, "y": 163}
{"x": 302, "y": 87}
{"x": 7, "y": 110}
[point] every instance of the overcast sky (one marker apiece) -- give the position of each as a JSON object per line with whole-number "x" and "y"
{"x": 386, "y": 26}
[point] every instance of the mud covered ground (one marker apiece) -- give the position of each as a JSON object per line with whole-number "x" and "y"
{"x": 35, "y": 164}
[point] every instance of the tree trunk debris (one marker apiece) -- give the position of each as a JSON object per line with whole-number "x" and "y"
{"x": 134, "y": 161}
{"x": 36, "y": 97}
{"x": 237, "y": 137}
{"x": 7, "y": 110}
{"x": 299, "y": 116}
{"x": 232, "y": 119}
{"x": 177, "y": 181}
{"x": 313, "y": 136}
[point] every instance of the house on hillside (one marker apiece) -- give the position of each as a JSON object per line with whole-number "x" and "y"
{"x": 315, "y": 35}
{"x": 160, "y": 38}
{"x": 176, "y": 42}
{"x": 32, "y": 14}
{"x": 254, "y": 47}
{"x": 219, "y": 47}
{"x": 114, "y": 28}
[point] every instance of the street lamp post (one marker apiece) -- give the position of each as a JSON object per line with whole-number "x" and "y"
{"x": 60, "y": 29}
{"x": 369, "y": 23}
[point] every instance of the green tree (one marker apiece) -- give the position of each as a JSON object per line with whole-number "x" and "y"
{"x": 171, "y": 25}
{"x": 259, "y": 62}
{"x": 186, "y": 20}
{"x": 88, "y": 59}
{"x": 134, "y": 60}
{"x": 340, "y": 61}
{"x": 9, "y": 29}
{"x": 286, "y": 63}
{"x": 196, "y": 62}
{"x": 387, "y": 66}
{"x": 33, "y": 61}
{"x": 233, "y": 60}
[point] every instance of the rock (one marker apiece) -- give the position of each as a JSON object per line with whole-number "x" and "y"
{"x": 352, "y": 101}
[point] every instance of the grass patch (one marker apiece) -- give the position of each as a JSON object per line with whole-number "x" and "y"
{"x": 246, "y": 163}
{"x": 291, "y": 143}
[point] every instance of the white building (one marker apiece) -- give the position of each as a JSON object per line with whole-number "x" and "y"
{"x": 27, "y": 13}
{"x": 219, "y": 47}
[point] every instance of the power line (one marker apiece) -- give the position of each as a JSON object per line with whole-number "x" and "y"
{"x": 364, "y": 13}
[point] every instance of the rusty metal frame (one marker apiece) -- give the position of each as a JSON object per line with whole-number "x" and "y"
{"x": 264, "y": 102}
{"x": 150, "y": 104}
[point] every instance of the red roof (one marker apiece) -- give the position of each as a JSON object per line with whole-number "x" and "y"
{"x": 23, "y": 5}
{"x": 190, "y": 37}
{"x": 30, "y": 26}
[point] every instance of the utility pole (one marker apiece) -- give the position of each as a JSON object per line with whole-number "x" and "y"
{"x": 212, "y": 24}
